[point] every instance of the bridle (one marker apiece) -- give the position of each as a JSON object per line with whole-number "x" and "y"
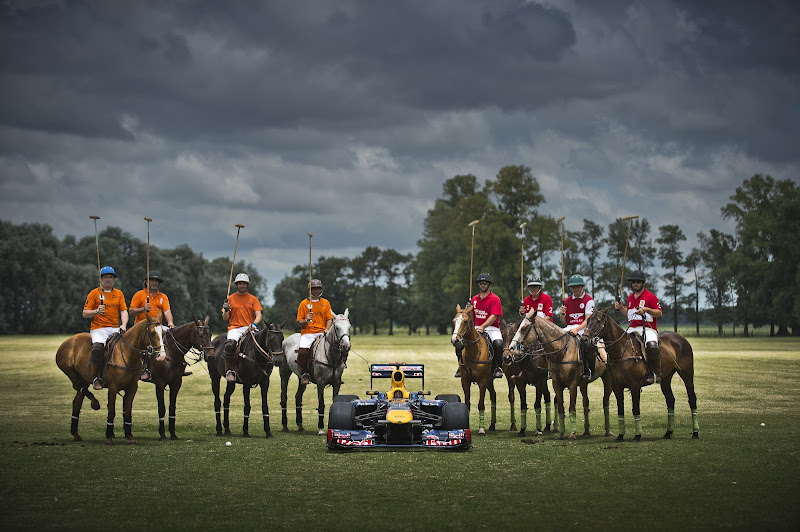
{"x": 339, "y": 339}
{"x": 197, "y": 340}
{"x": 470, "y": 326}
{"x": 602, "y": 317}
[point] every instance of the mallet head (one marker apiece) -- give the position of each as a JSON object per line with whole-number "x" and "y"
{"x": 94, "y": 217}
{"x": 473, "y": 223}
{"x": 239, "y": 226}
{"x": 631, "y": 217}
{"x": 148, "y": 219}
{"x": 560, "y": 219}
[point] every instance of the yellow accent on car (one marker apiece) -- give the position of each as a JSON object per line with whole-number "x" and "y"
{"x": 399, "y": 416}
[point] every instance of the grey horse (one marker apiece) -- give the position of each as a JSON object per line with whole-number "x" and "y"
{"x": 329, "y": 355}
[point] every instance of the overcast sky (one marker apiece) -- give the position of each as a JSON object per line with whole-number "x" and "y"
{"x": 343, "y": 118}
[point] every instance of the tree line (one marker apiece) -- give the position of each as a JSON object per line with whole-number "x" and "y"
{"x": 750, "y": 278}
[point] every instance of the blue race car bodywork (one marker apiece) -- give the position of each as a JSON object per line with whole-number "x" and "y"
{"x": 398, "y": 419}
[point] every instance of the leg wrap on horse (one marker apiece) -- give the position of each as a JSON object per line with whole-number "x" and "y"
{"x": 654, "y": 358}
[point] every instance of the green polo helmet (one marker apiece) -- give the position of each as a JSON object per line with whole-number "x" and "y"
{"x": 576, "y": 280}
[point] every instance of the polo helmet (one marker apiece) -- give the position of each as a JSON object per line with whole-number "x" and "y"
{"x": 241, "y": 277}
{"x": 484, "y": 277}
{"x": 576, "y": 280}
{"x": 107, "y": 269}
{"x": 637, "y": 275}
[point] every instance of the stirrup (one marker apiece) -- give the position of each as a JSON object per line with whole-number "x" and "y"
{"x": 304, "y": 379}
{"x": 186, "y": 373}
{"x": 230, "y": 376}
{"x": 97, "y": 384}
{"x": 587, "y": 375}
{"x": 146, "y": 376}
{"x": 458, "y": 373}
{"x": 497, "y": 373}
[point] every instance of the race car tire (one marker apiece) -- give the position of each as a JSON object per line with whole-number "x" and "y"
{"x": 449, "y": 397}
{"x": 455, "y": 416}
{"x": 345, "y": 398}
{"x": 342, "y": 416}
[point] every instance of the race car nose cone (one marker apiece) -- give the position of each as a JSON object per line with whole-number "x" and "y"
{"x": 399, "y": 417}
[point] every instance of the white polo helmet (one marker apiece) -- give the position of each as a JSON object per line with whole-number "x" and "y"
{"x": 241, "y": 277}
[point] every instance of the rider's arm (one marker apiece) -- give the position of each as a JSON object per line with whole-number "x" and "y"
{"x": 123, "y": 319}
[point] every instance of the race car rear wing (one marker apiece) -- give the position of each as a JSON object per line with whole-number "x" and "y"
{"x": 384, "y": 371}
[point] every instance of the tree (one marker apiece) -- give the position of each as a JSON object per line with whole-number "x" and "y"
{"x": 391, "y": 265}
{"x": 591, "y": 242}
{"x": 715, "y": 247}
{"x": 672, "y": 260}
{"x": 692, "y": 263}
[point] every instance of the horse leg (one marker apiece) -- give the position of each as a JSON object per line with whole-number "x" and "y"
{"x": 606, "y": 407}
{"x": 688, "y": 380}
{"x": 265, "y": 407}
{"x": 76, "y": 414}
{"x": 127, "y": 413}
{"x": 620, "y": 395}
{"x": 669, "y": 397}
{"x": 511, "y": 403}
{"x": 537, "y": 408}
{"x": 548, "y": 420}
{"x": 321, "y": 408}
{"x": 174, "y": 388}
{"x": 298, "y": 406}
{"x": 636, "y": 395}
{"x": 217, "y": 403}
{"x": 493, "y": 398}
{"x": 585, "y": 394}
{"x": 112, "y": 412}
{"x": 560, "y": 411}
{"x": 162, "y": 410}
{"x": 246, "y": 417}
{"x": 284, "y": 401}
{"x": 226, "y": 406}
{"x": 573, "y": 411}
{"x": 523, "y": 409}
{"x": 465, "y": 386}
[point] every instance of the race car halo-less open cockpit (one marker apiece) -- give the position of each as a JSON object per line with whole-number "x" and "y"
{"x": 398, "y": 418}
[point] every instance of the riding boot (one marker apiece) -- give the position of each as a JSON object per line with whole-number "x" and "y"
{"x": 458, "y": 356}
{"x": 146, "y": 376}
{"x": 497, "y": 360}
{"x": 230, "y": 353}
{"x": 653, "y": 362}
{"x": 303, "y": 358}
{"x": 588, "y": 359}
{"x": 96, "y": 359}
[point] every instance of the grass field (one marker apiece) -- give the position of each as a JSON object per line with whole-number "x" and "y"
{"x": 738, "y": 475}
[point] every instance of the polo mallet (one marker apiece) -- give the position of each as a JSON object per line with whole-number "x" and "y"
{"x": 147, "y": 278}
{"x": 522, "y": 263}
{"x": 560, "y": 222}
{"x": 625, "y": 255}
{"x": 97, "y": 247}
{"x": 238, "y": 228}
{"x": 309, "y": 266}
{"x": 472, "y": 224}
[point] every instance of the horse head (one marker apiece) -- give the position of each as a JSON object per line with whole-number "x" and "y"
{"x": 521, "y": 334}
{"x": 462, "y": 325}
{"x": 273, "y": 338}
{"x": 155, "y": 337}
{"x": 201, "y": 337}
{"x": 340, "y": 331}
{"x": 598, "y": 324}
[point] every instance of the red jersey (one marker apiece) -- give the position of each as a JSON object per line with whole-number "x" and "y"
{"x": 114, "y": 302}
{"x": 483, "y": 308}
{"x": 578, "y": 308}
{"x": 646, "y": 299}
{"x": 158, "y": 302}
{"x": 243, "y": 309}
{"x": 543, "y": 305}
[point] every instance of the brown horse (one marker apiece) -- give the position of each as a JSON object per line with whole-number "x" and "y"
{"x": 562, "y": 352}
{"x": 521, "y": 368}
{"x": 169, "y": 372}
{"x": 123, "y": 369}
{"x": 628, "y": 369}
{"x": 475, "y": 363}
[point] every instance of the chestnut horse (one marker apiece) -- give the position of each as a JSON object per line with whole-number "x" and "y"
{"x": 123, "y": 369}
{"x": 255, "y": 360}
{"x": 475, "y": 363}
{"x": 561, "y": 350}
{"x": 628, "y": 369}
{"x": 169, "y": 372}
{"x": 521, "y": 368}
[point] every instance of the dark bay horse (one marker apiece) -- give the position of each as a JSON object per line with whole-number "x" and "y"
{"x": 122, "y": 372}
{"x": 329, "y": 356}
{"x": 561, "y": 350}
{"x": 475, "y": 364}
{"x": 628, "y": 369}
{"x": 521, "y": 368}
{"x": 254, "y": 363}
{"x": 169, "y": 372}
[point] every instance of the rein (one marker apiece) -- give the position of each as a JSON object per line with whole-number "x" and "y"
{"x": 470, "y": 326}
{"x": 149, "y": 351}
{"x": 183, "y": 350}
{"x": 337, "y": 343}
{"x": 559, "y": 350}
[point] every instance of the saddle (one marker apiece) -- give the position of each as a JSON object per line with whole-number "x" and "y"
{"x": 637, "y": 340}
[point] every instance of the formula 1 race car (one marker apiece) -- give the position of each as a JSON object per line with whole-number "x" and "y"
{"x": 398, "y": 419}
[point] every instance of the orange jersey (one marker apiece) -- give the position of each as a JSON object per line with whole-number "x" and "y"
{"x": 322, "y": 313}
{"x": 243, "y": 309}
{"x": 159, "y": 301}
{"x": 114, "y": 302}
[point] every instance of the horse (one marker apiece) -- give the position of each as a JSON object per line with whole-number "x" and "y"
{"x": 522, "y": 368}
{"x": 628, "y": 369}
{"x": 122, "y": 371}
{"x": 254, "y": 363}
{"x": 169, "y": 372}
{"x": 329, "y": 358}
{"x": 562, "y": 352}
{"x": 475, "y": 363}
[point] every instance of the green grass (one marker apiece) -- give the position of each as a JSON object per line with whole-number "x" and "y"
{"x": 738, "y": 475}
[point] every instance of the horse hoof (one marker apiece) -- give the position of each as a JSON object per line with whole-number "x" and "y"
{"x": 246, "y": 435}
{"x": 559, "y": 436}
{"x": 227, "y": 432}
{"x": 109, "y": 441}
{"x": 547, "y": 429}
{"x": 513, "y": 428}
{"x": 300, "y": 428}
{"x": 219, "y": 433}
{"x": 162, "y": 438}
{"x": 75, "y": 437}
{"x": 491, "y": 428}
{"x": 285, "y": 429}
{"x": 609, "y": 434}
{"x": 637, "y": 437}
{"x": 537, "y": 432}
{"x": 667, "y": 435}
{"x": 321, "y": 432}
{"x": 620, "y": 437}
{"x": 587, "y": 433}
{"x": 95, "y": 404}
{"x": 131, "y": 441}
{"x": 695, "y": 436}
{"x": 269, "y": 435}
{"x": 572, "y": 436}
{"x": 522, "y": 432}
{"x": 173, "y": 437}
{"x": 482, "y": 431}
